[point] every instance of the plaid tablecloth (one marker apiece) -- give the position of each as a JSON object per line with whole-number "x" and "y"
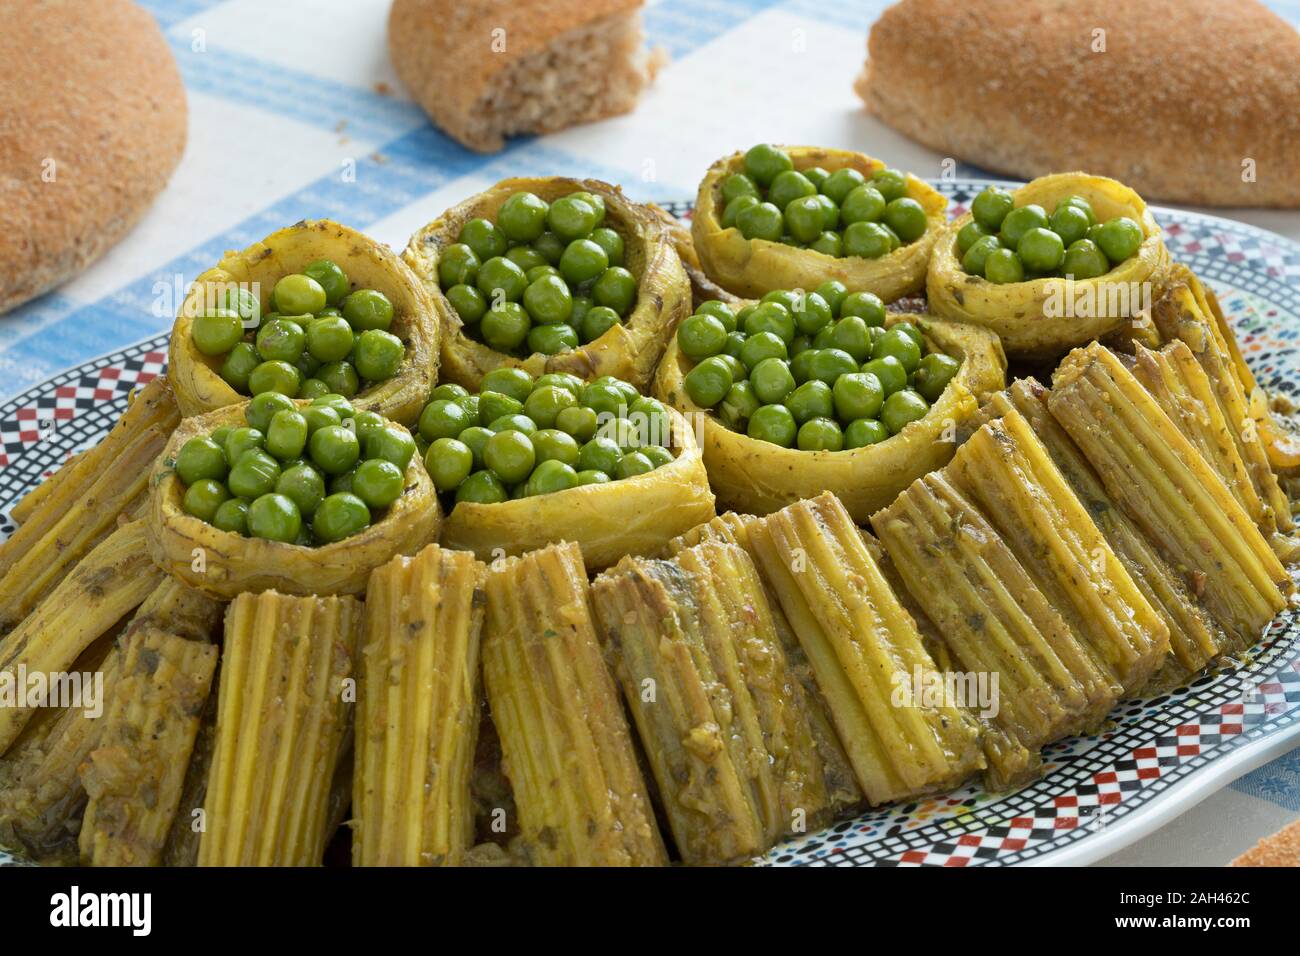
{"x": 295, "y": 112}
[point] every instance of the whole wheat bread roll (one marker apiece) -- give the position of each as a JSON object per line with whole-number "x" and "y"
{"x": 1185, "y": 91}
{"x": 92, "y": 123}
{"x": 496, "y": 68}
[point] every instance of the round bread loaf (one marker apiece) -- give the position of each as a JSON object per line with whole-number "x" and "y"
{"x": 1194, "y": 101}
{"x": 92, "y": 123}
{"x": 496, "y": 68}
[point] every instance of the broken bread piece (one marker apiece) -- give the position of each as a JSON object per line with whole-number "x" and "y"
{"x": 496, "y": 68}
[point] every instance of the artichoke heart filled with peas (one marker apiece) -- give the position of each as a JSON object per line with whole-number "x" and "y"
{"x": 521, "y": 437}
{"x": 543, "y": 278}
{"x": 320, "y": 336}
{"x": 816, "y": 371}
{"x": 298, "y": 474}
{"x": 840, "y": 213}
{"x": 1005, "y": 243}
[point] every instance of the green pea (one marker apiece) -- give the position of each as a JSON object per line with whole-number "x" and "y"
{"x": 552, "y": 339}
{"x": 600, "y": 454}
{"x": 658, "y": 455}
{"x": 633, "y": 464}
{"x": 340, "y": 516}
{"x": 820, "y": 434}
{"x": 449, "y": 462}
{"x": 866, "y": 306}
{"x": 852, "y": 334}
{"x": 505, "y": 327}
{"x": 548, "y": 300}
{"x": 976, "y": 257}
{"x": 968, "y": 234}
{"x": 1040, "y": 250}
{"x": 604, "y": 398}
{"x": 312, "y": 388}
{"x": 773, "y": 423}
{"x": 701, "y": 336}
{"x": 378, "y": 355}
{"x": 287, "y": 435}
{"x": 731, "y": 212}
{"x": 804, "y": 217}
{"x": 864, "y": 431}
{"x": 577, "y": 421}
{"x": 615, "y": 289}
{"x": 470, "y": 304}
{"x": 501, "y": 280}
{"x": 543, "y": 404}
{"x": 378, "y": 483}
{"x": 329, "y": 339}
{"x": 330, "y": 277}
{"x": 902, "y": 408}
{"x": 611, "y": 242}
{"x": 900, "y": 345}
{"x": 199, "y": 459}
{"x": 522, "y": 217}
{"x": 484, "y": 238}
{"x": 458, "y": 265}
{"x": 833, "y": 293}
{"x": 1081, "y": 204}
{"x": 510, "y": 455}
{"x": 906, "y": 217}
{"x": 763, "y": 221}
{"x": 830, "y": 363}
{"x": 336, "y": 401}
{"x": 232, "y": 516}
{"x": 737, "y": 184}
{"x": 789, "y": 185}
{"x": 1070, "y": 223}
{"x": 298, "y": 294}
{"x": 243, "y": 303}
{"x": 1120, "y": 239}
{"x": 933, "y": 375}
{"x": 341, "y": 378}
{"x": 801, "y": 365}
{"x": 474, "y": 438}
{"x": 811, "y": 314}
{"x": 239, "y": 365}
{"x": 863, "y": 204}
{"x": 598, "y": 320}
{"x": 760, "y": 347}
{"x": 840, "y": 183}
{"x": 445, "y": 418}
{"x": 1019, "y": 221}
{"x": 304, "y": 486}
{"x": 764, "y": 162}
{"x": 254, "y": 474}
{"x": 912, "y": 333}
{"x": 262, "y": 408}
{"x": 203, "y": 498}
{"x": 867, "y": 240}
{"x": 828, "y": 244}
{"x": 857, "y": 395}
{"x": 552, "y": 476}
{"x": 892, "y": 183}
{"x": 390, "y": 442}
{"x": 217, "y": 331}
{"x": 1003, "y": 266}
{"x": 810, "y": 400}
{"x": 771, "y": 380}
{"x": 593, "y": 477}
{"x": 334, "y": 449}
{"x": 991, "y": 207}
{"x": 241, "y": 440}
{"x": 307, "y": 367}
{"x": 1084, "y": 260}
{"x": 889, "y": 372}
{"x": 368, "y": 309}
{"x": 740, "y": 402}
{"x": 708, "y": 383}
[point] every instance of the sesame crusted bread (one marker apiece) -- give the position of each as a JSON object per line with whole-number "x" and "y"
{"x": 1184, "y": 93}
{"x": 1281, "y": 849}
{"x": 92, "y": 123}
{"x": 496, "y": 68}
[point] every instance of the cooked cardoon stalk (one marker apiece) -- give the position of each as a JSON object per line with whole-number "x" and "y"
{"x": 1185, "y": 312}
{"x": 1182, "y": 389}
{"x": 283, "y": 714}
{"x": 565, "y": 743}
{"x": 720, "y": 716}
{"x": 732, "y": 528}
{"x": 1169, "y": 490}
{"x": 993, "y": 619}
{"x": 418, "y": 711}
{"x": 103, "y": 588}
{"x": 135, "y": 774}
{"x": 1005, "y": 470}
{"x": 866, "y": 653}
{"x": 182, "y": 844}
{"x": 84, "y": 502}
{"x": 41, "y": 797}
{"x": 1193, "y": 637}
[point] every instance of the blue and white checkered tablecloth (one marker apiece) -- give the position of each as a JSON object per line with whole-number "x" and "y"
{"x": 295, "y": 112}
